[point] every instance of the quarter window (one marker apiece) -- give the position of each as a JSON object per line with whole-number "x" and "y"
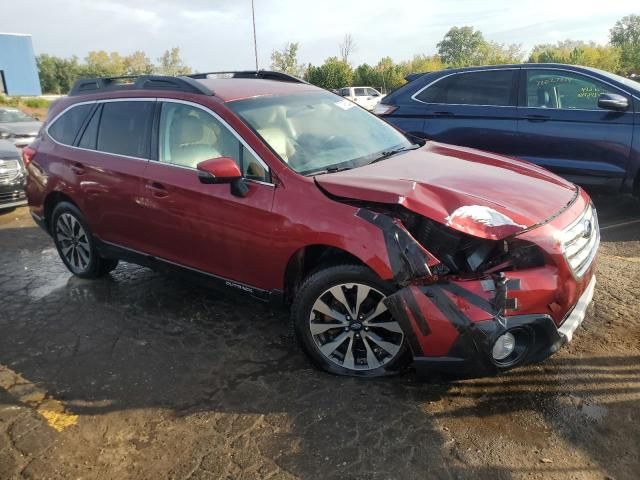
{"x": 66, "y": 127}
{"x": 125, "y": 128}
{"x": 189, "y": 135}
{"x": 474, "y": 88}
{"x": 563, "y": 90}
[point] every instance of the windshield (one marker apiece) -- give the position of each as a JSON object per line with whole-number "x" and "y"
{"x": 8, "y": 115}
{"x": 314, "y": 132}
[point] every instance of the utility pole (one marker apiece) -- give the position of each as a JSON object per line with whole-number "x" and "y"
{"x": 255, "y": 42}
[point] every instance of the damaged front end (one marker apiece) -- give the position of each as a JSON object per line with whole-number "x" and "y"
{"x": 470, "y": 305}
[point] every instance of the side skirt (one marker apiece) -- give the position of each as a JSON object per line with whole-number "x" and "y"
{"x": 111, "y": 250}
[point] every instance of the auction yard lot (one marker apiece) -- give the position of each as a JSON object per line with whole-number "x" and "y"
{"x": 144, "y": 375}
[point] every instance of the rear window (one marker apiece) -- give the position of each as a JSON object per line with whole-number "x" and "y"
{"x": 66, "y": 127}
{"x": 125, "y": 128}
{"x": 491, "y": 88}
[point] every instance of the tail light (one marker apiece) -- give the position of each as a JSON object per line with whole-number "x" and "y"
{"x": 27, "y": 155}
{"x": 383, "y": 109}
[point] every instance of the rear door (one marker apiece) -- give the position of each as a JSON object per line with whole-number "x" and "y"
{"x": 201, "y": 226}
{"x": 562, "y": 128}
{"x": 473, "y": 109}
{"x": 109, "y": 160}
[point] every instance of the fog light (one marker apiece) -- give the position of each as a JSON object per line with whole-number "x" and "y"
{"x": 504, "y": 346}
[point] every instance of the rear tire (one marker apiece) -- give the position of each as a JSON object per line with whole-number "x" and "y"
{"x": 342, "y": 325}
{"x": 75, "y": 244}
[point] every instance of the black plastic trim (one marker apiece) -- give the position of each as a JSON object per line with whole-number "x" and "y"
{"x": 260, "y": 74}
{"x": 142, "y": 82}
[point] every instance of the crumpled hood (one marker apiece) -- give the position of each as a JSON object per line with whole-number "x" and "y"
{"x": 21, "y": 128}
{"x": 479, "y": 193}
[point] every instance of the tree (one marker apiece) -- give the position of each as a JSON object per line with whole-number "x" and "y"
{"x": 57, "y": 74}
{"x": 286, "y": 60}
{"x": 492, "y": 53}
{"x": 333, "y": 74}
{"x": 367, "y": 76}
{"x": 422, "y": 64}
{"x": 138, "y": 63}
{"x": 103, "y": 64}
{"x": 626, "y": 36}
{"x": 347, "y": 47}
{"x": 170, "y": 63}
{"x": 392, "y": 74}
{"x": 461, "y": 47}
{"x": 605, "y": 57}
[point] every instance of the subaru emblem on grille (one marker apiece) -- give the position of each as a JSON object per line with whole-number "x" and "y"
{"x": 588, "y": 229}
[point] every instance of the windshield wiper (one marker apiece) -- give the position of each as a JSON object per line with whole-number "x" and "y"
{"x": 388, "y": 153}
{"x": 327, "y": 170}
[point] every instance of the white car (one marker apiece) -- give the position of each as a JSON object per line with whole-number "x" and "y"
{"x": 366, "y": 97}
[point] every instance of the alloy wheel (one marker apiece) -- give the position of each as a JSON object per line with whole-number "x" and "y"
{"x": 74, "y": 242}
{"x": 352, "y": 327}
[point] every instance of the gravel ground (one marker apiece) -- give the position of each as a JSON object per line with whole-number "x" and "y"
{"x": 142, "y": 375}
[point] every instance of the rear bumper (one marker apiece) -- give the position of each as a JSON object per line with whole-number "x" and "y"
{"x": 469, "y": 353}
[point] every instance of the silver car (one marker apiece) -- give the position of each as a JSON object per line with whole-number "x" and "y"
{"x": 18, "y": 127}
{"x": 12, "y": 177}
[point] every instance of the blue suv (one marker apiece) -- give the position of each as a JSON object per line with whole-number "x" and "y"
{"x": 579, "y": 122}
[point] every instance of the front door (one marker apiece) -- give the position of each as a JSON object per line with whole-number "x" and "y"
{"x": 201, "y": 226}
{"x": 562, "y": 128}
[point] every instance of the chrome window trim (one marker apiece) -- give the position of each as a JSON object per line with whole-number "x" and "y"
{"x": 525, "y": 68}
{"x": 148, "y": 99}
{"x": 413, "y": 97}
{"x": 588, "y": 76}
{"x": 227, "y": 126}
{"x": 154, "y": 99}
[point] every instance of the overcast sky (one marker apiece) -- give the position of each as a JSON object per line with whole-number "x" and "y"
{"x": 217, "y": 34}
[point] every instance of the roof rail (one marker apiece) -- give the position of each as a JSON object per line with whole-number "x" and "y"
{"x": 138, "y": 82}
{"x": 261, "y": 74}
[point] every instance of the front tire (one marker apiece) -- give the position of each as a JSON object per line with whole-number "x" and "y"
{"x": 75, "y": 244}
{"x": 342, "y": 324}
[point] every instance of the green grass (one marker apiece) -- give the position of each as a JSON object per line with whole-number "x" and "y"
{"x": 27, "y": 102}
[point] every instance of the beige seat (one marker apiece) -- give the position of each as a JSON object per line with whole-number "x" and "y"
{"x": 188, "y": 145}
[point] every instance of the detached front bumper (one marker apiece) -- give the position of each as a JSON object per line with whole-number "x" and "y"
{"x": 452, "y": 329}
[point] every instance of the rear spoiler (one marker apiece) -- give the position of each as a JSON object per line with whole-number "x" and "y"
{"x": 414, "y": 76}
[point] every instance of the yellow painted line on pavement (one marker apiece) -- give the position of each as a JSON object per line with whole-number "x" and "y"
{"x": 35, "y": 397}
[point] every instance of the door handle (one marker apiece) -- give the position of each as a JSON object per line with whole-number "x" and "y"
{"x": 157, "y": 189}
{"x": 538, "y": 118}
{"x": 77, "y": 168}
{"x": 443, "y": 114}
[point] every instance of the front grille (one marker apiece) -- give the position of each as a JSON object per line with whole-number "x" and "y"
{"x": 580, "y": 241}
{"x": 16, "y": 196}
{"x": 9, "y": 170}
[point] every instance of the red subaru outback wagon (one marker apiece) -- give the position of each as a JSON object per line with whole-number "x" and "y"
{"x": 387, "y": 251}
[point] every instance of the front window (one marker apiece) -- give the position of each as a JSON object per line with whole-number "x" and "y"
{"x": 564, "y": 90}
{"x": 189, "y": 135}
{"x": 10, "y": 115}
{"x": 316, "y": 131}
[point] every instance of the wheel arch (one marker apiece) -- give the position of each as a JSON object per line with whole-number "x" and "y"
{"x": 310, "y": 258}
{"x": 50, "y": 202}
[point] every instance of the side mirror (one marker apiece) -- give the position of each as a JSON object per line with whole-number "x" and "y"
{"x": 223, "y": 170}
{"x": 613, "y": 101}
